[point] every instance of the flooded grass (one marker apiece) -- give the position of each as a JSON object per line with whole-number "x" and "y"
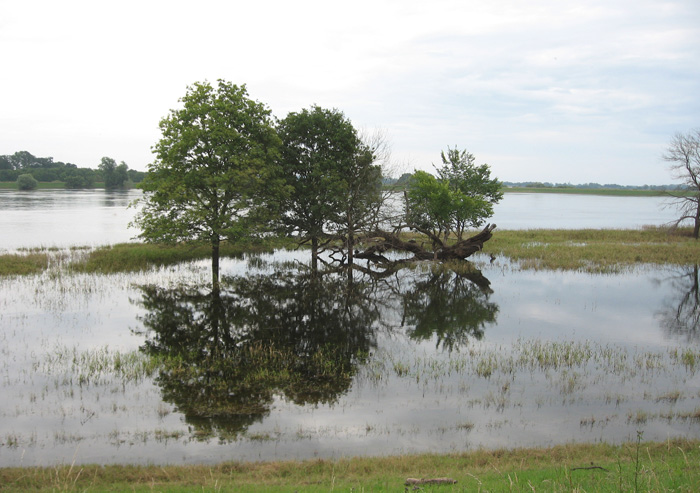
{"x": 23, "y": 264}
{"x": 591, "y": 250}
{"x": 131, "y": 257}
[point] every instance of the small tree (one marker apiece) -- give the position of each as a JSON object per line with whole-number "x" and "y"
{"x": 26, "y": 182}
{"x": 475, "y": 191}
{"x": 461, "y": 196}
{"x": 684, "y": 155}
{"x": 216, "y": 154}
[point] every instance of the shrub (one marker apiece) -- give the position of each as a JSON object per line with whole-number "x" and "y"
{"x": 26, "y": 182}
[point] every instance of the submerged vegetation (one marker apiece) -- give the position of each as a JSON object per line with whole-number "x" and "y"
{"x": 588, "y": 250}
{"x": 595, "y": 250}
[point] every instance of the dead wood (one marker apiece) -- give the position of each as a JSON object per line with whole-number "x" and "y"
{"x": 417, "y": 482}
{"x": 384, "y": 241}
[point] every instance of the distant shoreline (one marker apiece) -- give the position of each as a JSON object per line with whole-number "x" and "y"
{"x": 619, "y": 192}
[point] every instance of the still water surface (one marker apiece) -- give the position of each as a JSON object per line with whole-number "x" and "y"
{"x": 62, "y": 218}
{"x": 419, "y": 361}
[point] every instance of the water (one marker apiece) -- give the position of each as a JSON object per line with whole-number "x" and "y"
{"x": 62, "y": 218}
{"x": 418, "y": 361}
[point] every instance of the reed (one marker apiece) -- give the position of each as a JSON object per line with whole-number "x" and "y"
{"x": 23, "y": 264}
{"x": 592, "y": 250}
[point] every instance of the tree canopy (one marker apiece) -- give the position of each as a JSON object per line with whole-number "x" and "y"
{"x": 331, "y": 173}
{"x": 461, "y": 196}
{"x": 217, "y": 152}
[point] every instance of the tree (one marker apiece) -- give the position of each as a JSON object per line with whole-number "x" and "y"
{"x": 108, "y": 166}
{"x": 26, "y": 182}
{"x": 361, "y": 193}
{"x": 461, "y": 196}
{"x": 328, "y": 170}
{"x": 216, "y": 154}
{"x": 475, "y": 192}
{"x": 684, "y": 155}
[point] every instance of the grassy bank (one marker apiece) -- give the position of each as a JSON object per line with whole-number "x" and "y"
{"x": 594, "y": 250}
{"x": 618, "y": 192}
{"x": 668, "y": 466}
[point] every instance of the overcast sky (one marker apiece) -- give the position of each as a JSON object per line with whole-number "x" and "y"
{"x": 560, "y": 91}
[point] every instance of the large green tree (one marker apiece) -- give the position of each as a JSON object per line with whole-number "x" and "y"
{"x": 330, "y": 172}
{"x": 216, "y": 154}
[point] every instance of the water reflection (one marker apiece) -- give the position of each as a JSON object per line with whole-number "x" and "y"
{"x": 681, "y": 315}
{"x": 228, "y": 354}
{"x": 296, "y": 335}
{"x": 449, "y": 306}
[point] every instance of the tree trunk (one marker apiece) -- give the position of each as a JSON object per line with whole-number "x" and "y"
{"x": 215, "y": 242}
{"x": 459, "y": 251}
{"x": 314, "y": 253}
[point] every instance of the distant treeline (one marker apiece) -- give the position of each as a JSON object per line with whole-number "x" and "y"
{"x": 590, "y": 186}
{"x": 46, "y": 170}
{"x": 403, "y": 179}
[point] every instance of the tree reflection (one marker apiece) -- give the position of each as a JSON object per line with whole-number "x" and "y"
{"x": 453, "y": 307}
{"x": 225, "y": 355}
{"x": 682, "y": 316}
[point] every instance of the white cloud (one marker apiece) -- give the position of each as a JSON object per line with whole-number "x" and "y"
{"x": 525, "y": 86}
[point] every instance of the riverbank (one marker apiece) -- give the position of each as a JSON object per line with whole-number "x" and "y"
{"x": 636, "y": 466}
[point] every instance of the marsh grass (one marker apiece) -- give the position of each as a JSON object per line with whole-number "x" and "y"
{"x": 133, "y": 257}
{"x": 600, "y": 251}
{"x": 636, "y": 466}
{"x": 22, "y": 264}
{"x": 603, "y": 251}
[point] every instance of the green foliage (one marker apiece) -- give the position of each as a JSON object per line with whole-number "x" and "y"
{"x": 79, "y": 178}
{"x": 214, "y": 159}
{"x": 26, "y": 182}
{"x": 475, "y": 192}
{"x": 115, "y": 176}
{"x": 331, "y": 173}
{"x": 461, "y": 196}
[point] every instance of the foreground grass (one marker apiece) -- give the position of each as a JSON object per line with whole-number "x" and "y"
{"x": 595, "y": 250}
{"x": 667, "y": 466}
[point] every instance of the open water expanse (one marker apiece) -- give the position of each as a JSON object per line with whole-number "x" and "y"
{"x": 286, "y": 365}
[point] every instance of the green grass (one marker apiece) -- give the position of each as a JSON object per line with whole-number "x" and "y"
{"x": 595, "y": 250}
{"x": 133, "y": 257}
{"x": 22, "y": 265}
{"x": 637, "y": 466}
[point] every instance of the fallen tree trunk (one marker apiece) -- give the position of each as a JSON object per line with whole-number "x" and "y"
{"x": 384, "y": 241}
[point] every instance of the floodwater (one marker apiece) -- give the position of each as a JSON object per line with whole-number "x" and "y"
{"x": 65, "y": 218}
{"x": 283, "y": 364}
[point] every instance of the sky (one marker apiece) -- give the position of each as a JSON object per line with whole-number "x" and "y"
{"x": 541, "y": 90}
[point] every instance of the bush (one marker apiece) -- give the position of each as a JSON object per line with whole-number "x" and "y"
{"x": 26, "y": 182}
